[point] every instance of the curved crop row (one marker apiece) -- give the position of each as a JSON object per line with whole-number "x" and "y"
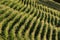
{"x": 23, "y": 26}
{"x": 21, "y": 7}
{"x": 51, "y": 18}
{"x": 25, "y": 9}
{"x": 20, "y": 20}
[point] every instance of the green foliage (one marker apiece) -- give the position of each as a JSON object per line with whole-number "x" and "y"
{"x": 28, "y": 20}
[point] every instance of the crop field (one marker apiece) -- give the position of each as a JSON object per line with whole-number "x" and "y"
{"x": 29, "y": 20}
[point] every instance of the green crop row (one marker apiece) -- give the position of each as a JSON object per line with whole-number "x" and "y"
{"x": 21, "y": 7}
{"x": 20, "y": 20}
{"x": 50, "y": 17}
{"x": 22, "y": 26}
{"x": 26, "y": 9}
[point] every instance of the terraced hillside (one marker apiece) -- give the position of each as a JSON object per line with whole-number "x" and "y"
{"x": 28, "y": 20}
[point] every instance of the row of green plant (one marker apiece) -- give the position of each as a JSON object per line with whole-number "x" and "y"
{"x": 24, "y": 26}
